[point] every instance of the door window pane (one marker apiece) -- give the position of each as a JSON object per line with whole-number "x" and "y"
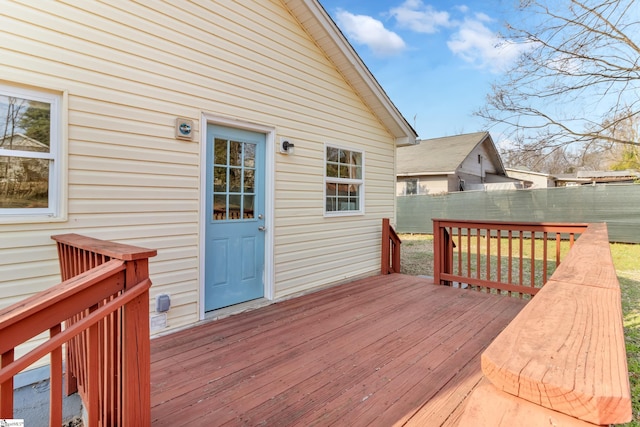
{"x": 249, "y": 181}
{"x": 248, "y": 207}
{"x": 250, "y": 155}
{"x": 219, "y": 179}
{"x": 235, "y": 153}
{"x": 219, "y": 207}
{"x": 220, "y": 151}
{"x": 234, "y": 206}
{"x": 234, "y": 179}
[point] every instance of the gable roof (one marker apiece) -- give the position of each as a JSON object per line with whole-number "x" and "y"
{"x": 20, "y": 141}
{"x": 317, "y": 22}
{"x": 444, "y": 155}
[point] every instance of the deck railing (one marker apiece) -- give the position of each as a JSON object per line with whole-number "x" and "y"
{"x": 514, "y": 257}
{"x": 103, "y": 303}
{"x": 562, "y": 360}
{"x": 390, "y": 262}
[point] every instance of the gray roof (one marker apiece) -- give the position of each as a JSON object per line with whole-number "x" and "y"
{"x": 440, "y": 155}
{"x": 606, "y": 174}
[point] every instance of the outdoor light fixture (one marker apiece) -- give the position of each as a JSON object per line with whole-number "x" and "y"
{"x": 286, "y": 147}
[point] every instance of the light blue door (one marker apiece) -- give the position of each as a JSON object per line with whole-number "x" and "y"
{"x": 234, "y": 241}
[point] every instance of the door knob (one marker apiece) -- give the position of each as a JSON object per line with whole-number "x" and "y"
{"x": 262, "y": 228}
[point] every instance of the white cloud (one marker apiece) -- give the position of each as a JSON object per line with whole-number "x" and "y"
{"x": 421, "y": 18}
{"x": 475, "y": 43}
{"x": 366, "y": 30}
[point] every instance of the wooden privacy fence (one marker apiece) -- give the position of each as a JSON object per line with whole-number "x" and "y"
{"x": 562, "y": 360}
{"x": 103, "y": 303}
{"x": 515, "y": 257}
{"x": 390, "y": 262}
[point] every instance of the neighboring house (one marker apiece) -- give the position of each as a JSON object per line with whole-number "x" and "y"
{"x": 449, "y": 164}
{"x": 597, "y": 177}
{"x": 168, "y": 126}
{"x": 531, "y": 179}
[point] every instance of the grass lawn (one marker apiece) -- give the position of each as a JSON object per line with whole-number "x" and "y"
{"x": 417, "y": 259}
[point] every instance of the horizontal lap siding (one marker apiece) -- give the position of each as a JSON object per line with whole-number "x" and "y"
{"x": 129, "y": 70}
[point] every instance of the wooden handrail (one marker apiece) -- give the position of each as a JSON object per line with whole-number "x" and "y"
{"x": 103, "y": 302}
{"x": 480, "y": 261}
{"x": 390, "y": 262}
{"x": 565, "y": 351}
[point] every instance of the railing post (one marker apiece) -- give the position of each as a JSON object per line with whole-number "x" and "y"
{"x": 384, "y": 262}
{"x": 442, "y": 253}
{"x": 436, "y": 252}
{"x": 6, "y": 388}
{"x": 136, "y": 357}
{"x": 396, "y": 257}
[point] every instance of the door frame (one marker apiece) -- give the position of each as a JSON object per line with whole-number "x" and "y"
{"x": 269, "y": 185}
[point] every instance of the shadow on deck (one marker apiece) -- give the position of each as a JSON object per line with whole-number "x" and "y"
{"x": 386, "y": 350}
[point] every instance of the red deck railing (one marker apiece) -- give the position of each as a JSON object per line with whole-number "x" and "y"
{"x": 390, "y": 262}
{"x": 103, "y": 303}
{"x": 516, "y": 257}
{"x": 562, "y": 360}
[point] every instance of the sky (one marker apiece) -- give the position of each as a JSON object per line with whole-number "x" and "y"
{"x": 436, "y": 59}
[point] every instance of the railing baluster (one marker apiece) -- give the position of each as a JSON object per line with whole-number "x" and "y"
{"x": 468, "y": 252}
{"x": 499, "y": 255}
{"x": 488, "y": 257}
{"x": 533, "y": 260}
{"x": 55, "y": 384}
{"x": 545, "y": 271}
{"x": 478, "y": 267}
{"x": 510, "y": 237}
{"x": 521, "y": 258}
{"x": 459, "y": 251}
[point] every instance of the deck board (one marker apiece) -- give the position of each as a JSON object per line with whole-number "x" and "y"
{"x": 386, "y": 350}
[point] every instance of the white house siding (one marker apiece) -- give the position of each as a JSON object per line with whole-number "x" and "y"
{"x": 129, "y": 69}
{"x": 471, "y": 166}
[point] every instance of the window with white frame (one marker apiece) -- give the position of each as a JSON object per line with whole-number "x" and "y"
{"x": 29, "y": 152}
{"x": 344, "y": 183}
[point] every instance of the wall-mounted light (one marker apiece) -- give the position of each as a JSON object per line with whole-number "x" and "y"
{"x": 286, "y": 146}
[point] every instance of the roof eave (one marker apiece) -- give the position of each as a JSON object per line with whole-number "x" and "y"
{"x": 315, "y": 19}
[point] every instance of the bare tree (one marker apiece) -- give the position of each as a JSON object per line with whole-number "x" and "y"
{"x": 577, "y": 81}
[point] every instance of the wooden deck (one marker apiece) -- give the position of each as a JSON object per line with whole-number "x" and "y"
{"x": 388, "y": 350}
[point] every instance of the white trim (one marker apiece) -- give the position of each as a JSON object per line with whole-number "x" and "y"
{"x": 269, "y": 192}
{"x": 406, "y": 175}
{"x": 343, "y": 55}
{"x": 56, "y": 210}
{"x": 361, "y": 182}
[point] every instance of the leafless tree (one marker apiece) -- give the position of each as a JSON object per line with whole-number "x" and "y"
{"x": 577, "y": 80}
